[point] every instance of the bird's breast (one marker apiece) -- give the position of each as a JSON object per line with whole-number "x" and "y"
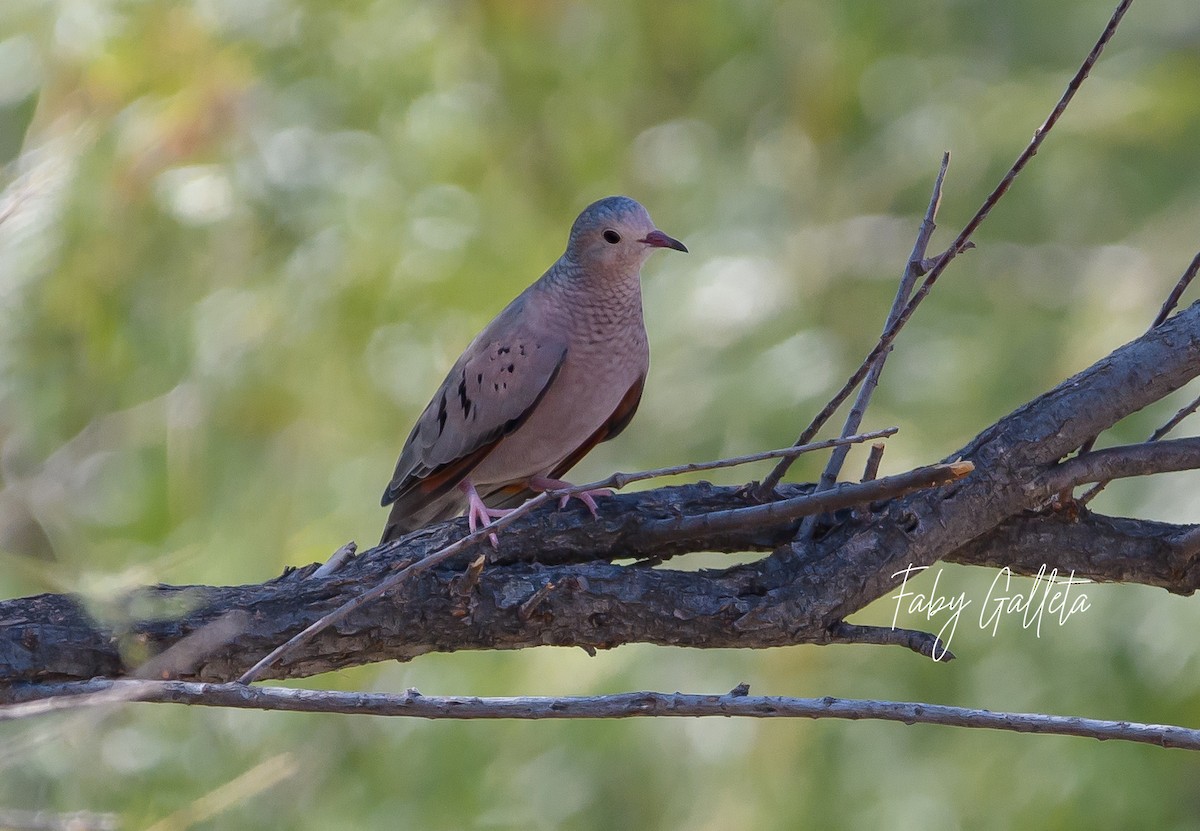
{"x": 595, "y": 376}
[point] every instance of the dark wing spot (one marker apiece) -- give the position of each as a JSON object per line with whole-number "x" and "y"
{"x": 503, "y": 350}
{"x": 441, "y": 416}
{"x": 479, "y": 379}
{"x": 511, "y": 367}
{"x": 462, "y": 396}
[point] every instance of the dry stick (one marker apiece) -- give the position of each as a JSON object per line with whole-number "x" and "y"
{"x": 885, "y": 341}
{"x": 620, "y": 480}
{"x": 1183, "y": 413}
{"x": 1168, "y": 306}
{"x": 631, "y": 705}
{"x": 1164, "y": 312}
{"x": 841, "y": 496}
{"x": 616, "y": 480}
{"x": 912, "y": 270}
{"x": 871, "y": 470}
{"x": 924, "y": 643}
{"x": 1181, "y": 285}
{"x": 1121, "y": 462}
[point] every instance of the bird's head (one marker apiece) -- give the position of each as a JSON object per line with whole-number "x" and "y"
{"x": 616, "y": 234}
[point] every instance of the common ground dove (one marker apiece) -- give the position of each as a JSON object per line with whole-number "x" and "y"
{"x": 559, "y": 370}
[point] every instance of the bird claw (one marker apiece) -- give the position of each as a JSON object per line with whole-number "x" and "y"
{"x": 480, "y": 515}
{"x": 587, "y": 497}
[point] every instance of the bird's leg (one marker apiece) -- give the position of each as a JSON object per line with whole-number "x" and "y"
{"x": 479, "y": 514}
{"x": 544, "y": 483}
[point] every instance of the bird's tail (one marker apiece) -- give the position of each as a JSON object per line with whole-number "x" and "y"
{"x": 408, "y": 515}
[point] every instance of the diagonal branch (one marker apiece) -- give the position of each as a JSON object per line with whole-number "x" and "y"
{"x": 959, "y": 244}
{"x": 919, "y": 530}
{"x": 912, "y": 270}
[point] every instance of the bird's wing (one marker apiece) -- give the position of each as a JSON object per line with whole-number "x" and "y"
{"x": 490, "y": 391}
{"x": 513, "y": 495}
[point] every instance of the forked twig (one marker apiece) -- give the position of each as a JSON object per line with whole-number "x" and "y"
{"x": 912, "y": 271}
{"x": 1168, "y": 306}
{"x": 885, "y": 341}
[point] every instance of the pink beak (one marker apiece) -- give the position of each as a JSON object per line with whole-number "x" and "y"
{"x": 660, "y": 240}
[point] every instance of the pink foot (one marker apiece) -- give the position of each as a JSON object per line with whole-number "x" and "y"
{"x": 543, "y": 483}
{"x": 479, "y": 514}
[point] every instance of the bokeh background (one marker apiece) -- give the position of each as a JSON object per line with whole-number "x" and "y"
{"x": 244, "y": 239}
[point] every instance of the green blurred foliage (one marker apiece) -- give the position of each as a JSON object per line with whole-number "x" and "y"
{"x": 247, "y": 237}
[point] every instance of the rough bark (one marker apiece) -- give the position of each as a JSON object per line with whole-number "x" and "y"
{"x": 556, "y": 579}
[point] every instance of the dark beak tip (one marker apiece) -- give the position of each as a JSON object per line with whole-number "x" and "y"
{"x": 660, "y": 240}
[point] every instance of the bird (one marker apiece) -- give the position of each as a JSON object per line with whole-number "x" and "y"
{"x": 560, "y": 369}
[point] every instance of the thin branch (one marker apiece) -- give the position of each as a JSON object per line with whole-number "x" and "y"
{"x": 411, "y": 569}
{"x": 1174, "y": 422}
{"x": 1164, "y": 312}
{"x": 923, "y": 643}
{"x": 841, "y": 496}
{"x": 620, "y": 480}
{"x": 1119, "y": 463}
{"x": 617, "y": 480}
{"x": 1185, "y": 280}
{"x": 628, "y": 705}
{"x": 885, "y": 341}
{"x": 871, "y": 470}
{"x": 912, "y": 271}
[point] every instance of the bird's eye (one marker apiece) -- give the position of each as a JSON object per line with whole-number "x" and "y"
{"x": 612, "y": 237}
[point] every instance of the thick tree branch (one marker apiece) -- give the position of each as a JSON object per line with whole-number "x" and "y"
{"x": 546, "y": 587}
{"x": 51, "y": 637}
{"x": 853, "y": 565}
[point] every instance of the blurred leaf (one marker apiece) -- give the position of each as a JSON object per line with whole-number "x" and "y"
{"x": 15, "y": 118}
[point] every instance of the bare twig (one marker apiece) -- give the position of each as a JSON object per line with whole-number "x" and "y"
{"x": 620, "y": 480}
{"x": 908, "y": 279}
{"x": 410, "y": 570}
{"x": 1164, "y": 312}
{"x": 1174, "y": 422}
{"x": 1119, "y": 463}
{"x": 616, "y": 480}
{"x": 629, "y": 705}
{"x": 871, "y": 470}
{"x": 922, "y": 642}
{"x": 336, "y": 560}
{"x": 841, "y": 496}
{"x": 885, "y": 341}
{"x": 1185, "y": 280}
